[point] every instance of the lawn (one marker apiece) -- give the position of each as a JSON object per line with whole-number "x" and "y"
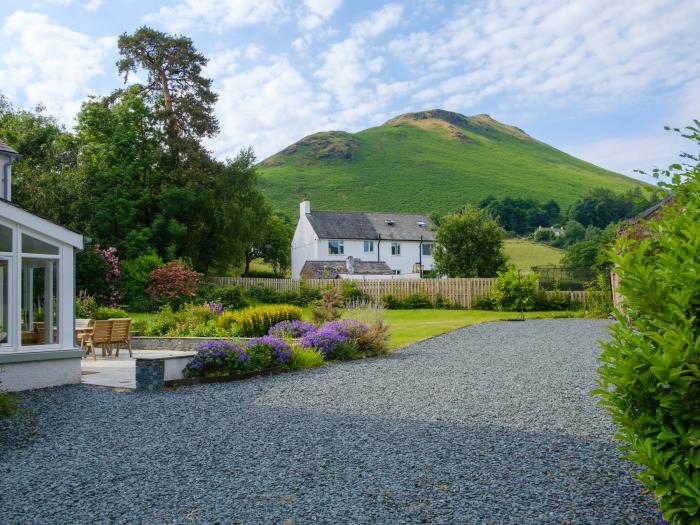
{"x": 409, "y": 326}
{"x": 526, "y": 254}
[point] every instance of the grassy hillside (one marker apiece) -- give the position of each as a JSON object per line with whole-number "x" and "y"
{"x": 425, "y": 162}
{"x": 526, "y": 254}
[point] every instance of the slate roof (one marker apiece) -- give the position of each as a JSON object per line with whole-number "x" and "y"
{"x": 5, "y": 148}
{"x": 332, "y": 269}
{"x": 371, "y": 225}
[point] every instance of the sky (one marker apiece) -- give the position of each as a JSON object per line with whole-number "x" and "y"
{"x": 595, "y": 78}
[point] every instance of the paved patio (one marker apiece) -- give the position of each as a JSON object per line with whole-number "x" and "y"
{"x": 117, "y": 372}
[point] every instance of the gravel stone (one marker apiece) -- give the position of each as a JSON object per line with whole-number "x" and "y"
{"x": 488, "y": 424}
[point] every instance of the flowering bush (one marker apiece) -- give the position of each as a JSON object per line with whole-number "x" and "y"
{"x": 256, "y": 321}
{"x": 173, "y": 281}
{"x": 295, "y": 328}
{"x": 217, "y": 308}
{"x": 268, "y": 351}
{"x": 335, "y": 339}
{"x": 217, "y": 358}
{"x": 98, "y": 273}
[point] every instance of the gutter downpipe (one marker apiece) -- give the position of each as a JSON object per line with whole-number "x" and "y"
{"x": 379, "y": 241}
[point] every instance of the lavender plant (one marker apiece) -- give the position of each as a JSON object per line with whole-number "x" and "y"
{"x": 217, "y": 358}
{"x": 295, "y": 328}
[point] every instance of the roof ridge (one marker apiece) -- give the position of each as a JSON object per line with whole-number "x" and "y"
{"x": 383, "y": 212}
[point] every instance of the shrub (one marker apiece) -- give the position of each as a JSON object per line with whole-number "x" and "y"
{"x": 105, "y": 312}
{"x": 336, "y": 339}
{"x": 232, "y": 297}
{"x": 268, "y": 351}
{"x": 650, "y": 379}
{"x": 9, "y": 403}
{"x": 217, "y": 358}
{"x": 85, "y": 306}
{"x": 375, "y": 340}
{"x": 256, "y": 321}
{"x": 327, "y": 308}
{"x": 296, "y": 328}
{"x": 556, "y": 301}
{"x": 135, "y": 278}
{"x": 98, "y": 272}
{"x": 416, "y": 301}
{"x": 507, "y": 289}
{"x": 391, "y": 302}
{"x": 173, "y": 282}
{"x": 189, "y": 321}
{"x": 263, "y": 294}
{"x": 303, "y": 357}
{"x": 351, "y": 293}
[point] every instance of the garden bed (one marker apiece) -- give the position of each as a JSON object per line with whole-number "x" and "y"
{"x": 177, "y": 344}
{"x": 225, "y": 379}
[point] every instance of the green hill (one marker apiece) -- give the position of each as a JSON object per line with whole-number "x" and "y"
{"x": 424, "y": 162}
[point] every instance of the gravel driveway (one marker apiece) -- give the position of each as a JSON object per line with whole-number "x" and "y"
{"x": 487, "y": 424}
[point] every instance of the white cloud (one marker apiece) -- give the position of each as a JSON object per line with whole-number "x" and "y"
{"x": 50, "y": 64}
{"x": 627, "y": 153}
{"x": 323, "y": 8}
{"x": 217, "y": 14}
{"x": 92, "y": 5}
{"x": 378, "y": 22}
{"x": 268, "y": 106}
{"x": 594, "y": 54}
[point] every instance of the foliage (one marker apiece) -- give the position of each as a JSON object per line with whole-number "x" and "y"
{"x": 98, "y": 272}
{"x": 9, "y": 403}
{"x": 336, "y": 339}
{"x": 327, "y": 308}
{"x": 106, "y": 312}
{"x": 469, "y": 244}
{"x": 85, "y": 306}
{"x": 232, "y": 297}
{"x": 136, "y": 276}
{"x": 350, "y": 292}
{"x": 601, "y": 206}
{"x": 217, "y": 358}
{"x": 493, "y": 159}
{"x": 650, "y": 377}
{"x": 599, "y": 302}
{"x": 172, "y": 282}
{"x": 270, "y": 237}
{"x": 522, "y": 215}
{"x": 374, "y": 340}
{"x": 512, "y": 287}
{"x": 296, "y": 328}
{"x": 411, "y": 302}
{"x": 592, "y": 251}
{"x": 190, "y": 320}
{"x": 255, "y": 321}
{"x": 526, "y": 254}
{"x": 304, "y": 357}
{"x": 268, "y": 351}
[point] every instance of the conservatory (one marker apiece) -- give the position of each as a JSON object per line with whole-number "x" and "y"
{"x": 37, "y": 296}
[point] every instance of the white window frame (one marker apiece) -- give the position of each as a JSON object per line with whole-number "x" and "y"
{"x": 369, "y": 244}
{"x": 341, "y": 247}
{"x": 396, "y": 249}
{"x": 424, "y": 245}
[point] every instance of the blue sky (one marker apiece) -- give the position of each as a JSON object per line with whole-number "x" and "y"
{"x": 595, "y": 78}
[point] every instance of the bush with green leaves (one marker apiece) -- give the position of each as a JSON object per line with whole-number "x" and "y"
{"x": 232, "y": 297}
{"x": 255, "y": 321}
{"x": 303, "y": 357}
{"x": 650, "y": 377}
{"x": 135, "y": 278}
{"x": 9, "y": 403}
{"x": 86, "y": 306}
{"x": 511, "y": 287}
{"x": 105, "y": 312}
{"x": 351, "y": 292}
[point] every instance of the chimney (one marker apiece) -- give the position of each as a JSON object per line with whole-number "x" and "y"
{"x": 350, "y": 264}
{"x": 304, "y": 207}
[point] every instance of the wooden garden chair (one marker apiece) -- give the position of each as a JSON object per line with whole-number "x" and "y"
{"x": 101, "y": 335}
{"x": 82, "y": 328}
{"x": 120, "y": 334}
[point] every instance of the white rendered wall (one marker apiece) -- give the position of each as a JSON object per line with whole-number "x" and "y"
{"x": 39, "y": 374}
{"x": 304, "y": 246}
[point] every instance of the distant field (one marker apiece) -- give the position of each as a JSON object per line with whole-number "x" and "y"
{"x": 526, "y": 254}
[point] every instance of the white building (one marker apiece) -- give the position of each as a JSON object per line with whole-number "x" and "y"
{"x": 37, "y": 295}
{"x": 403, "y": 241}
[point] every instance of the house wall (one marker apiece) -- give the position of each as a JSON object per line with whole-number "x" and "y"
{"x": 39, "y": 374}
{"x": 304, "y": 246}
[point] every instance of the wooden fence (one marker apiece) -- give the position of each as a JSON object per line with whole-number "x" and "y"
{"x": 459, "y": 292}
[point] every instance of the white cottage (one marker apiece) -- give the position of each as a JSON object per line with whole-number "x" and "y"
{"x": 403, "y": 241}
{"x": 37, "y": 295}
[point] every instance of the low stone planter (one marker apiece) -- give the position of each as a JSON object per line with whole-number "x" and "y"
{"x": 224, "y": 379}
{"x": 177, "y": 344}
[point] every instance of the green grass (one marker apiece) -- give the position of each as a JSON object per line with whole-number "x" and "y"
{"x": 526, "y": 254}
{"x": 409, "y": 326}
{"x": 426, "y": 165}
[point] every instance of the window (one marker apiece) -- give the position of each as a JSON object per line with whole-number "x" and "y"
{"x": 395, "y": 248}
{"x": 4, "y": 299}
{"x": 33, "y": 245}
{"x": 336, "y": 248}
{"x": 427, "y": 248}
{"x": 5, "y": 239}
{"x": 396, "y": 272}
{"x": 369, "y": 246}
{"x": 39, "y": 288}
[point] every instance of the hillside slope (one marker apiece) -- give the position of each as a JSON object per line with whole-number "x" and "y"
{"x": 427, "y": 161}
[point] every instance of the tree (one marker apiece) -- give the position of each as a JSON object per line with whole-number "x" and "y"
{"x": 469, "y": 244}
{"x": 601, "y": 206}
{"x": 521, "y": 215}
{"x": 272, "y": 243}
{"x": 174, "y": 71}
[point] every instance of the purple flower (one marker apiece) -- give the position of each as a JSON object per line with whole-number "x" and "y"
{"x": 295, "y": 328}
{"x": 217, "y": 357}
{"x": 217, "y": 308}
{"x": 280, "y": 350}
{"x": 331, "y": 336}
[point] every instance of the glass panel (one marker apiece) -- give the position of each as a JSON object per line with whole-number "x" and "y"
{"x": 336, "y": 248}
{"x": 395, "y": 248}
{"x": 427, "y": 249}
{"x": 5, "y": 239}
{"x": 39, "y": 301}
{"x": 4, "y": 299}
{"x": 369, "y": 246}
{"x": 33, "y": 245}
